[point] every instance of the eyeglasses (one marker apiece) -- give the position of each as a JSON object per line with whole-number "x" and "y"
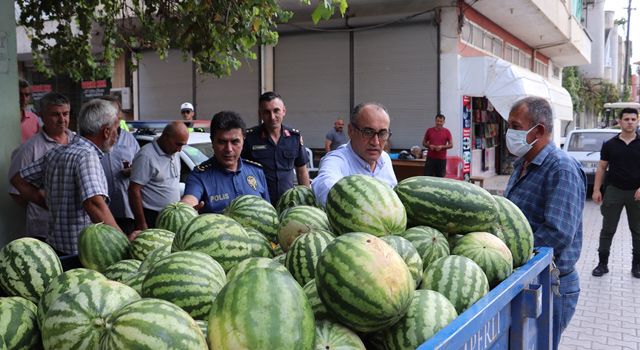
{"x": 383, "y": 135}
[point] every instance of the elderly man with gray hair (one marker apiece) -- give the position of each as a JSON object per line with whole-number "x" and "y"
{"x": 549, "y": 187}
{"x": 75, "y": 187}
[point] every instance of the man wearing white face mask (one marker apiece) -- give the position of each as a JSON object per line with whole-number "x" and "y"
{"x": 550, "y": 188}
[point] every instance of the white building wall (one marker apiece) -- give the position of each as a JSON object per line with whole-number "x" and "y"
{"x": 450, "y": 94}
{"x": 595, "y": 28}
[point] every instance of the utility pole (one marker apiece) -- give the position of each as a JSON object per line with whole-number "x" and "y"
{"x": 627, "y": 48}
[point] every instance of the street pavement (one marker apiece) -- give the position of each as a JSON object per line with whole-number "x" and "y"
{"x": 608, "y": 313}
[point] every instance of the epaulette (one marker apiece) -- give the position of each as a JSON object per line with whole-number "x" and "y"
{"x": 295, "y": 131}
{"x": 251, "y": 130}
{"x": 203, "y": 166}
{"x": 252, "y": 162}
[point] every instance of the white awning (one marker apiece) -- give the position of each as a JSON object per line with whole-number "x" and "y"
{"x": 504, "y": 83}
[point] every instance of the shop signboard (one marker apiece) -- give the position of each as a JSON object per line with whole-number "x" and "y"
{"x": 93, "y": 88}
{"x": 466, "y": 136}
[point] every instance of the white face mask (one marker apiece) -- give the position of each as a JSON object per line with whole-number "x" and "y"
{"x": 517, "y": 141}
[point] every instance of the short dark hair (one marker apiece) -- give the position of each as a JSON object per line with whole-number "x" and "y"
{"x": 628, "y": 111}
{"x": 227, "y": 120}
{"x": 52, "y": 99}
{"x": 440, "y": 115}
{"x": 355, "y": 113}
{"x": 23, "y": 83}
{"x": 269, "y": 96}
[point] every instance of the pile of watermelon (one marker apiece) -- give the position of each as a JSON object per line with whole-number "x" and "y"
{"x": 376, "y": 268}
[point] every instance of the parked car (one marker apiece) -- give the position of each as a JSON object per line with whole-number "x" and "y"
{"x": 585, "y": 145}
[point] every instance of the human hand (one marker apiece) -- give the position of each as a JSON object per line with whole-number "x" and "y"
{"x": 198, "y": 206}
{"x": 133, "y": 235}
{"x": 636, "y": 196}
{"x": 597, "y": 196}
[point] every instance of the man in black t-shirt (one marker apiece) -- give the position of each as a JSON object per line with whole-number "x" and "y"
{"x": 621, "y": 155}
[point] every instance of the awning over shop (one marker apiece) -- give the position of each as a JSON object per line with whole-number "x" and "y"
{"x": 504, "y": 83}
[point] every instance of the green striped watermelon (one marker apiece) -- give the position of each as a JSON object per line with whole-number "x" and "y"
{"x": 174, "y": 215}
{"x": 280, "y": 258}
{"x": 304, "y": 252}
{"x": 188, "y": 279}
{"x": 252, "y": 263}
{"x": 516, "y": 231}
{"x": 135, "y": 281}
{"x": 353, "y": 276}
{"x": 27, "y": 266}
{"x": 74, "y": 323}
{"x": 430, "y": 243}
{"x": 154, "y": 256}
{"x": 408, "y": 253}
{"x": 453, "y": 241}
{"x": 148, "y": 240}
{"x": 458, "y": 278}
{"x": 296, "y": 196}
{"x": 429, "y": 312}
{"x": 330, "y": 335}
{"x": 152, "y": 324}
{"x": 319, "y": 311}
{"x": 448, "y": 205}
{"x": 217, "y": 235}
{"x": 255, "y": 212}
{"x": 19, "y": 323}
{"x": 63, "y": 283}
{"x": 298, "y": 220}
{"x": 259, "y": 244}
{"x": 204, "y": 327}
{"x": 361, "y": 203}
{"x": 489, "y": 252}
{"x": 122, "y": 269}
{"x": 101, "y": 245}
{"x": 261, "y": 309}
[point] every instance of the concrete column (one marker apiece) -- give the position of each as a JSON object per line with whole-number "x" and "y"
{"x": 595, "y": 28}
{"x": 11, "y": 216}
{"x": 450, "y": 95}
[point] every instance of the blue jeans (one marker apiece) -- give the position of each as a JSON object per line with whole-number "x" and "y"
{"x": 564, "y": 305}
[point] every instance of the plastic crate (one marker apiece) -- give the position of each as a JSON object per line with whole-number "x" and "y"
{"x": 516, "y": 314}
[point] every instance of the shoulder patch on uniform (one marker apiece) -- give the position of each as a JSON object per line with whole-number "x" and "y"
{"x": 203, "y": 166}
{"x": 295, "y": 131}
{"x": 250, "y": 130}
{"x": 252, "y": 162}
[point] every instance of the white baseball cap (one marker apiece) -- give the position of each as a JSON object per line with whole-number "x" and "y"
{"x": 186, "y": 105}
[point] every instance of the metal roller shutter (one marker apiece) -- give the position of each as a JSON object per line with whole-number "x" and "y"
{"x": 312, "y": 76}
{"x": 397, "y": 66}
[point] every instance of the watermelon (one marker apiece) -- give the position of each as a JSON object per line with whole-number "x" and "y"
{"x": 489, "y": 252}
{"x": 298, "y": 220}
{"x": 217, "y": 235}
{"x": 516, "y": 231}
{"x": 409, "y": 254}
{"x": 361, "y": 203}
{"x": 303, "y": 255}
{"x": 330, "y": 335}
{"x": 259, "y": 244}
{"x": 453, "y": 241}
{"x": 255, "y": 212}
{"x": 27, "y": 266}
{"x": 101, "y": 245}
{"x": 353, "y": 276}
{"x": 122, "y": 269}
{"x": 296, "y": 196}
{"x": 448, "y": 205}
{"x": 63, "y": 283}
{"x": 154, "y": 256}
{"x": 430, "y": 243}
{"x": 19, "y": 323}
{"x": 148, "y": 240}
{"x": 204, "y": 327}
{"x": 319, "y": 311}
{"x": 74, "y": 323}
{"x": 429, "y": 312}
{"x": 458, "y": 278}
{"x": 188, "y": 279}
{"x": 152, "y": 324}
{"x": 261, "y": 309}
{"x": 280, "y": 259}
{"x": 174, "y": 215}
{"x": 252, "y": 263}
{"x": 135, "y": 281}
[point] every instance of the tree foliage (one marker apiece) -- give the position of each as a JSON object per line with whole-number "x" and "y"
{"x": 215, "y": 34}
{"x": 588, "y": 95}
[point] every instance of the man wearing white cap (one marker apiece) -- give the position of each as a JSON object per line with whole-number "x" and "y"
{"x": 186, "y": 109}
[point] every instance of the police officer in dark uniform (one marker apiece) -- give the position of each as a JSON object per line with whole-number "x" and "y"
{"x": 216, "y": 182}
{"x": 277, "y": 147}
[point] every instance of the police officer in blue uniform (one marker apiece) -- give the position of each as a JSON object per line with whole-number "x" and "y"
{"x": 212, "y": 185}
{"x": 278, "y": 148}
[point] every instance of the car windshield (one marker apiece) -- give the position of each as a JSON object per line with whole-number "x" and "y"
{"x": 204, "y": 148}
{"x": 589, "y": 141}
{"x": 195, "y": 154}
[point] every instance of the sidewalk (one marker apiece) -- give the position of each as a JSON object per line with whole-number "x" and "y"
{"x": 608, "y": 313}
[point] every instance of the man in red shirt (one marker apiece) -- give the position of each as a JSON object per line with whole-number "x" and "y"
{"x": 28, "y": 120}
{"x": 437, "y": 141}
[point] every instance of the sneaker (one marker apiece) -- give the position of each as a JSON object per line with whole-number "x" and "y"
{"x": 601, "y": 269}
{"x": 635, "y": 271}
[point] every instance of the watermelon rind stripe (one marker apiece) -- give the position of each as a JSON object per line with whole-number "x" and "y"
{"x": 18, "y": 323}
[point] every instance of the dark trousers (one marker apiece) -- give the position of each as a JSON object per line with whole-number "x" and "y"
{"x": 150, "y": 216}
{"x": 435, "y": 167}
{"x": 612, "y": 203}
{"x": 126, "y": 225}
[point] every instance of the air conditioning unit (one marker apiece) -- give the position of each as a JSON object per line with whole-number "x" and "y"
{"x": 124, "y": 95}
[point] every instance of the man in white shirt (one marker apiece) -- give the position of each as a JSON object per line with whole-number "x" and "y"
{"x": 364, "y": 154}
